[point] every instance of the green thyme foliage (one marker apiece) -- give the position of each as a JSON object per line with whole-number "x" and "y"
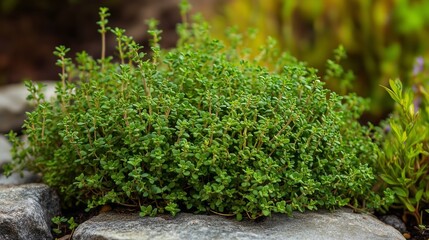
{"x": 336, "y": 74}
{"x": 199, "y": 129}
{"x": 404, "y": 156}
{"x": 58, "y": 223}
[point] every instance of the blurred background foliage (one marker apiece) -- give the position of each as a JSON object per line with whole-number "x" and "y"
{"x": 30, "y": 31}
{"x": 382, "y": 38}
{"x": 10, "y": 6}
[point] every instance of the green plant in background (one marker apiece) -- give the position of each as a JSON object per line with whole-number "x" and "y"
{"x": 199, "y": 128}
{"x": 382, "y": 38}
{"x": 335, "y": 73}
{"x": 404, "y": 155}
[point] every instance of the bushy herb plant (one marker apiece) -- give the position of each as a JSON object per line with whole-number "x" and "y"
{"x": 199, "y": 128}
{"x": 404, "y": 154}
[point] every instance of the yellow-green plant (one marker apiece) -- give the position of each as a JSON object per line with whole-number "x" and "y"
{"x": 404, "y": 156}
{"x": 382, "y": 38}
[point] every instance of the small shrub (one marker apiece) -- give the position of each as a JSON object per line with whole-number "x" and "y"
{"x": 198, "y": 129}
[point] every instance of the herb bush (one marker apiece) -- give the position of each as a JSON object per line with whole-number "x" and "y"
{"x": 198, "y": 128}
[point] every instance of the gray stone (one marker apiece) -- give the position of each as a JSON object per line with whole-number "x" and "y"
{"x": 13, "y": 104}
{"x": 15, "y": 178}
{"x": 5, "y": 148}
{"x": 18, "y": 178}
{"x": 26, "y": 212}
{"x": 395, "y": 222}
{"x": 336, "y": 225}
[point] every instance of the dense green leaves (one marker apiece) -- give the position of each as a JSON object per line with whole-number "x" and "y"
{"x": 199, "y": 129}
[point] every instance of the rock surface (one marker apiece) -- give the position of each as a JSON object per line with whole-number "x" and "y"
{"x": 13, "y": 105}
{"x": 5, "y": 148}
{"x": 395, "y": 222}
{"x": 26, "y": 211}
{"x": 340, "y": 224}
{"x": 15, "y": 178}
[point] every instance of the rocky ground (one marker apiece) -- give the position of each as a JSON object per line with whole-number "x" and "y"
{"x": 26, "y": 210}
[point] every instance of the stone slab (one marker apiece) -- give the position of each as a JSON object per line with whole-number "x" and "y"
{"x": 26, "y": 212}
{"x": 337, "y": 225}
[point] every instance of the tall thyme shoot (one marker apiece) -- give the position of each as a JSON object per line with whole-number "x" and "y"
{"x": 104, "y": 14}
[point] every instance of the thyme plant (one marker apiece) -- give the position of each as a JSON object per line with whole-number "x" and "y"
{"x": 198, "y": 128}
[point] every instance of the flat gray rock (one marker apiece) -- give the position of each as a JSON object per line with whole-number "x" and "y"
{"x": 5, "y": 148}
{"x": 13, "y": 104}
{"x": 322, "y": 225}
{"x": 26, "y": 212}
{"x": 18, "y": 178}
{"x": 15, "y": 178}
